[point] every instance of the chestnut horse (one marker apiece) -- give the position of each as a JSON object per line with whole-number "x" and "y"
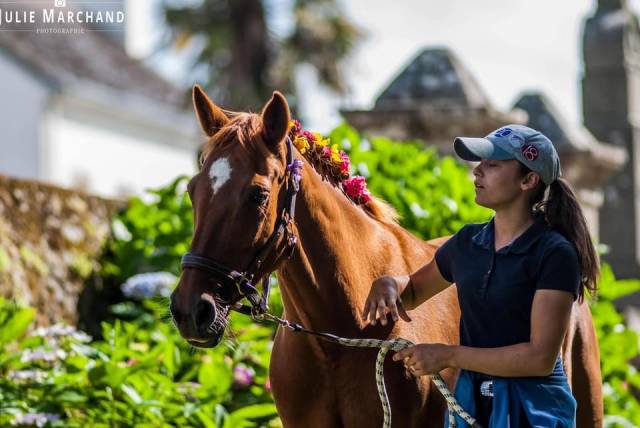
{"x": 238, "y": 197}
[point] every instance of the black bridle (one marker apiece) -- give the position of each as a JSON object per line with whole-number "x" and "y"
{"x": 242, "y": 281}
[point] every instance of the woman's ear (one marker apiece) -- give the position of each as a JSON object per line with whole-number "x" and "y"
{"x": 530, "y": 181}
{"x": 275, "y": 120}
{"x": 211, "y": 118}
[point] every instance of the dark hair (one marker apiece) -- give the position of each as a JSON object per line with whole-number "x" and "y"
{"x": 564, "y": 214}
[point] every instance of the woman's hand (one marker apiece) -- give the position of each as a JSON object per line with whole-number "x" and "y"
{"x": 384, "y": 298}
{"x": 425, "y": 358}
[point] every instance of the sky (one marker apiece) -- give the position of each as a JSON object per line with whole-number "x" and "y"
{"x": 510, "y": 46}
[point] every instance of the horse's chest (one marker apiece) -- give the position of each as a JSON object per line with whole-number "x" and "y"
{"x": 342, "y": 372}
{"x": 340, "y": 384}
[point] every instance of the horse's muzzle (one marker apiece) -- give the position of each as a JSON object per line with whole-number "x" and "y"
{"x": 202, "y": 325}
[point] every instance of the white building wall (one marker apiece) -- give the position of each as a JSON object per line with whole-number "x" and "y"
{"x": 96, "y": 150}
{"x": 23, "y": 99}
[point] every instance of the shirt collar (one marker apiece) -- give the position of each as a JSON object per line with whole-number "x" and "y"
{"x": 485, "y": 237}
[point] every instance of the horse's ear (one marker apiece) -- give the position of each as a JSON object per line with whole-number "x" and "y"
{"x": 275, "y": 119}
{"x": 211, "y": 118}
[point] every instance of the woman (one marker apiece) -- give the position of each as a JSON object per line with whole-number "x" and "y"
{"x": 517, "y": 277}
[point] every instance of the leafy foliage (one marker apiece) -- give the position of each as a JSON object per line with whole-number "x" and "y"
{"x": 618, "y": 345}
{"x": 151, "y": 235}
{"x": 241, "y": 55}
{"x": 434, "y": 196}
{"x": 140, "y": 374}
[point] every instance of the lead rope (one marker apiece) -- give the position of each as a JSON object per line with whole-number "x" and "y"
{"x": 385, "y": 346}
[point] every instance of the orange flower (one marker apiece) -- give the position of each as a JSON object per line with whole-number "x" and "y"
{"x": 335, "y": 154}
{"x": 301, "y": 143}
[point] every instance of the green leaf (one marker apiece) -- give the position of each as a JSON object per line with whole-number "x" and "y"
{"x": 256, "y": 411}
{"x": 216, "y": 375}
{"x": 16, "y": 323}
{"x": 131, "y": 393}
{"x": 243, "y": 416}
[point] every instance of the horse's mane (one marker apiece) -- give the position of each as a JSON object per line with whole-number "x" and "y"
{"x": 244, "y": 129}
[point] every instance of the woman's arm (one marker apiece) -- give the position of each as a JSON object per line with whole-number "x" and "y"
{"x": 550, "y": 316}
{"x": 394, "y": 295}
{"x": 422, "y": 285}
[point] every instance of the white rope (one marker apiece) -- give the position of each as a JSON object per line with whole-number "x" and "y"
{"x": 385, "y": 346}
{"x": 396, "y": 345}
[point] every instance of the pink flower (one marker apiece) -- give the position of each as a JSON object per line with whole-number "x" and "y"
{"x": 346, "y": 163}
{"x": 295, "y": 126}
{"x": 354, "y": 185}
{"x": 242, "y": 375}
{"x": 267, "y": 384}
{"x": 356, "y": 189}
{"x": 310, "y": 137}
{"x": 366, "y": 196}
{"x": 326, "y": 152}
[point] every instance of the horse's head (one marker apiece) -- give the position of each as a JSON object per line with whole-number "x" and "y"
{"x": 239, "y": 198}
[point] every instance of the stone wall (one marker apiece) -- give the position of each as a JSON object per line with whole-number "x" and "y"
{"x": 50, "y": 241}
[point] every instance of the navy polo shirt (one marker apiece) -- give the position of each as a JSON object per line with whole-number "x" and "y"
{"x": 496, "y": 288}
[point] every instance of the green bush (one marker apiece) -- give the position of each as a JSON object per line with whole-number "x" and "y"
{"x": 434, "y": 195}
{"x": 151, "y": 234}
{"x": 618, "y": 345}
{"x": 135, "y": 377}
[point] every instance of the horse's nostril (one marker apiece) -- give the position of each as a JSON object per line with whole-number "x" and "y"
{"x": 204, "y": 315}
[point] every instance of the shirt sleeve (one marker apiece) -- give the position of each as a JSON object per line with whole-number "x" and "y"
{"x": 560, "y": 270}
{"x": 444, "y": 257}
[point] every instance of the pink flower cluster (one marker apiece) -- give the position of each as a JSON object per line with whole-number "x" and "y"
{"x": 356, "y": 188}
{"x": 334, "y": 162}
{"x": 243, "y": 375}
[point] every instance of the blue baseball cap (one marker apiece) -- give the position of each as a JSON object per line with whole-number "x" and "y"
{"x": 520, "y": 142}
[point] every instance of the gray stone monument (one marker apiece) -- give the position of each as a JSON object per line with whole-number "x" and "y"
{"x": 611, "y": 105}
{"x": 433, "y": 99}
{"x": 587, "y": 163}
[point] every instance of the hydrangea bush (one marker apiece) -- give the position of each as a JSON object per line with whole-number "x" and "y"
{"x": 136, "y": 376}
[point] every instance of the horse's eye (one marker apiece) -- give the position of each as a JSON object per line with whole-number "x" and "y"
{"x": 259, "y": 196}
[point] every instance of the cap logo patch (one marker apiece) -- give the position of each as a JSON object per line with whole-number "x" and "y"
{"x": 503, "y": 132}
{"x": 516, "y": 141}
{"x": 529, "y": 152}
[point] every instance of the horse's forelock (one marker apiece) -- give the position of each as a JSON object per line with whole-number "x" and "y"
{"x": 243, "y": 129}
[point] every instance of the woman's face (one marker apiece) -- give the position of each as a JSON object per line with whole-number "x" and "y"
{"x": 498, "y": 183}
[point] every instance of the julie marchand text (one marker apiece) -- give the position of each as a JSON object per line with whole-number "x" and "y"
{"x": 52, "y": 16}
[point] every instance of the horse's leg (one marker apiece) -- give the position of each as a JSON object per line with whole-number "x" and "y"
{"x": 585, "y": 376}
{"x": 301, "y": 392}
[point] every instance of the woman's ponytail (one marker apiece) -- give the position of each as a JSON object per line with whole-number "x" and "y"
{"x": 564, "y": 214}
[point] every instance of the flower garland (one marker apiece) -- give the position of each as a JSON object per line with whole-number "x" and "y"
{"x": 329, "y": 161}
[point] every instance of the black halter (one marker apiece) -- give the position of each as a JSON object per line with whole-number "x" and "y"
{"x": 242, "y": 281}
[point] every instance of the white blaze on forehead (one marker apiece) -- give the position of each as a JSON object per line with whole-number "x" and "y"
{"x": 220, "y": 172}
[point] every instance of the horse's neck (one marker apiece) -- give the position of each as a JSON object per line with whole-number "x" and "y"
{"x": 327, "y": 279}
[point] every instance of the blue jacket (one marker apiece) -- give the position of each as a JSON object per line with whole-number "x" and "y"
{"x": 546, "y": 402}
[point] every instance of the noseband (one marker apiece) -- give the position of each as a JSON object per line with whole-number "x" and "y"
{"x": 242, "y": 281}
